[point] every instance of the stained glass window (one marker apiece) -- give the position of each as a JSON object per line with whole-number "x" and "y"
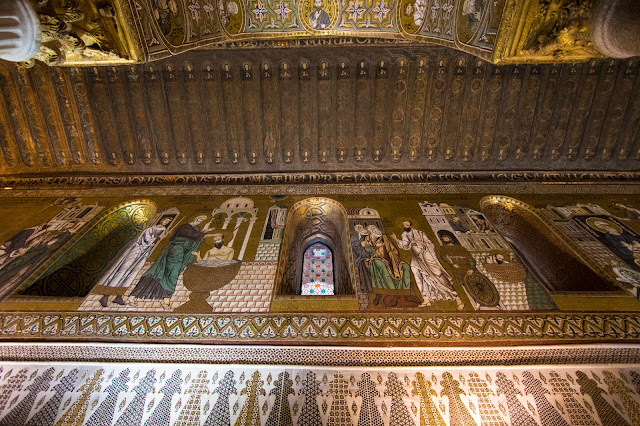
{"x": 317, "y": 271}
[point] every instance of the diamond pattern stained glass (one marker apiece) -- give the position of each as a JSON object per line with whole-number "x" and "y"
{"x": 317, "y": 271}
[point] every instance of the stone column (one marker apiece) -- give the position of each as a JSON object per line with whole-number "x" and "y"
{"x": 615, "y": 29}
{"x": 19, "y": 30}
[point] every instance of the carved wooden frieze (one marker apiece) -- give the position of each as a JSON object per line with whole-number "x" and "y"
{"x": 320, "y": 110}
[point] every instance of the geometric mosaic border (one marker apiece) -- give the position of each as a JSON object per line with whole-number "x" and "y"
{"x": 327, "y": 329}
{"x": 578, "y": 354}
{"x": 193, "y": 395}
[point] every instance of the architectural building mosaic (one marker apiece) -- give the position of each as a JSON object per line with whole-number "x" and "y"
{"x": 143, "y": 394}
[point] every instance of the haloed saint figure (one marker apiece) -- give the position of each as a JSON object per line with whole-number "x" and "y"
{"x": 319, "y": 19}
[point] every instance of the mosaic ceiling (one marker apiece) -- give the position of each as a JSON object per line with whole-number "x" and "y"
{"x": 319, "y": 109}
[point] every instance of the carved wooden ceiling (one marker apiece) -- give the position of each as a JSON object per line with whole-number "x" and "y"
{"x": 319, "y": 109}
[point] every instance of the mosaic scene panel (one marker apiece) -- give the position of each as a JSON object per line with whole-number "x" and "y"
{"x": 411, "y": 259}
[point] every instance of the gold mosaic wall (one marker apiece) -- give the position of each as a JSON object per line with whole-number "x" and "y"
{"x": 406, "y": 254}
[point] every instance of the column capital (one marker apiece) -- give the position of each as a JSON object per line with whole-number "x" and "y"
{"x": 19, "y": 30}
{"x": 616, "y": 28}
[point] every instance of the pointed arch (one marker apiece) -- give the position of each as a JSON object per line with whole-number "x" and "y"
{"x": 87, "y": 256}
{"x": 541, "y": 245}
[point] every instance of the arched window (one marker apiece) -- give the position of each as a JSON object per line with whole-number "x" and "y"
{"x": 312, "y": 221}
{"x": 317, "y": 271}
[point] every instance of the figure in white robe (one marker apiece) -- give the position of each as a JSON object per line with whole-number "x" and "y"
{"x": 126, "y": 269}
{"x": 432, "y": 279}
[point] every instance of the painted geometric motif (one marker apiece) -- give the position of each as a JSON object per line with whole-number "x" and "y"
{"x": 350, "y": 396}
{"x": 272, "y": 16}
{"x": 330, "y": 328}
{"x": 368, "y": 15}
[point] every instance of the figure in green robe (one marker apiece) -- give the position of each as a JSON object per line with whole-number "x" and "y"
{"x": 160, "y": 280}
{"x": 389, "y": 273}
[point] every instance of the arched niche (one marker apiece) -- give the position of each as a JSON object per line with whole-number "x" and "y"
{"x": 87, "y": 256}
{"x": 556, "y": 260}
{"x": 311, "y": 221}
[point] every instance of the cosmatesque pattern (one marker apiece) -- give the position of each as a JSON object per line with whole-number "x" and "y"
{"x": 325, "y": 329}
{"x": 187, "y": 394}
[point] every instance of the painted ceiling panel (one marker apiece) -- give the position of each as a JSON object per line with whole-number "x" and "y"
{"x": 320, "y": 109}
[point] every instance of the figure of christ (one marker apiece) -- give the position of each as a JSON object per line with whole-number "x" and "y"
{"x": 389, "y": 273}
{"x": 126, "y": 269}
{"x": 319, "y": 19}
{"x": 219, "y": 250}
{"x": 433, "y": 281}
{"x": 160, "y": 280}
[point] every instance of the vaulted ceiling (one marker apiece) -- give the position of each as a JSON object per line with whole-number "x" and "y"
{"x": 319, "y": 109}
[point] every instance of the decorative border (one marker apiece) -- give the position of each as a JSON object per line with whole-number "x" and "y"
{"x": 326, "y": 329}
{"x": 321, "y": 178}
{"x": 322, "y": 356}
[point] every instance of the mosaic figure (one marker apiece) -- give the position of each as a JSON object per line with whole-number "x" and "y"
{"x": 319, "y": 19}
{"x": 250, "y": 413}
{"x": 359, "y": 258}
{"x": 548, "y": 414}
{"x": 619, "y": 240}
{"x": 429, "y": 414}
{"x": 121, "y": 275}
{"x": 458, "y": 413}
{"x": 46, "y": 416}
{"x": 608, "y": 414}
{"x": 18, "y": 415}
{"x": 480, "y": 288}
{"x": 220, "y": 414}
{"x": 518, "y": 414}
{"x": 577, "y": 413}
{"x": 132, "y": 415}
{"x": 388, "y": 272}
{"x": 20, "y": 241}
{"x": 369, "y": 414}
{"x": 76, "y": 413}
{"x": 488, "y": 411}
{"x": 617, "y": 387}
{"x": 473, "y": 9}
{"x": 170, "y": 19}
{"x": 14, "y": 383}
{"x": 399, "y": 415}
{"x": 106, "y": 410}
{"x": 160, "y": 281}
{"x": 24, "y": 260}
{"x": 219, "y": 251}
{"x": 161, "y": 415}
{"x": 630, "y": 212}
{"x": 339, "y": 413}
{"x": 280, "y": 412}
{"x": 310, "y": 413}
{"x": 190, "y": 413}
{"x": 433, "y": 281}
